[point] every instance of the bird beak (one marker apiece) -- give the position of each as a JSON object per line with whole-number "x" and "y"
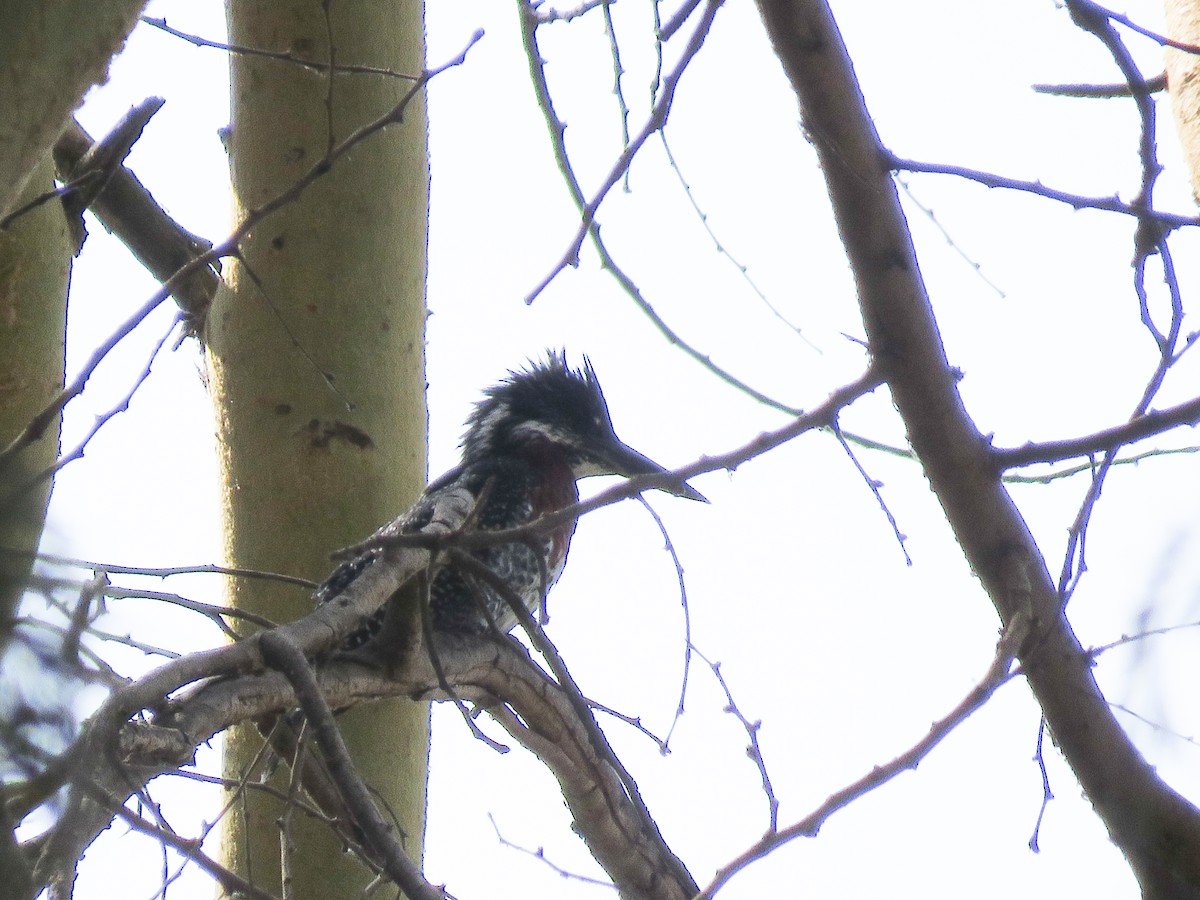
{"x": 624, "y": 460}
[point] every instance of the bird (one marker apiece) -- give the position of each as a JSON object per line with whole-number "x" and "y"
{"x": 527, "y": 442}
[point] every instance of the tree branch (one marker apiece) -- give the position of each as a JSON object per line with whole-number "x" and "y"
{"x": 997, "y": 675}
{"x": 1148, "y": 425}
{"x": 1156, "y": 828}
{"x": 129, "y": 211}
{"x": 281, "y": 653}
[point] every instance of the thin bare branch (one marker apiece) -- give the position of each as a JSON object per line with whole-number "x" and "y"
{"x": 656, "y": 120}
{"x": 1155, "y": 84}
{"x": 876, "y": 488}
{"x": 1076, "y": 201}
{"x": 168, "y": 571}
{"x": 540, "y": 855}
{"x": 284, "y": 56}
{"x": 669, "y": 545}
{"x": 753, "y": 749}
{"x": 1160, "y": 39}
{"x": 556, "y": 129}
{"x": 997, "y": 675}
{"x": 1139, "y": 428}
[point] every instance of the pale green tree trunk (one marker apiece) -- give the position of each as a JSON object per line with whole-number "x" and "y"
{"x": 35, "y": 267}
{"x": 51, "y": 52}
{"x": 48, "y": 60}
{"x": 318, "y": 378}
{"x": 1183, "y": 78}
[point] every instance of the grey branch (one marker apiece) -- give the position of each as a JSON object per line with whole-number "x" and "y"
{"x": 1156, "y": 828}
{"x": 121, "y": 750}
{"x": 127, "y": 209}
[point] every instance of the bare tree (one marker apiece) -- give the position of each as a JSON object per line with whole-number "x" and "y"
{"x": 303, "y": 444}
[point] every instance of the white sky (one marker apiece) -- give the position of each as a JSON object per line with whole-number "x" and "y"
{"x": 795, "y": 580}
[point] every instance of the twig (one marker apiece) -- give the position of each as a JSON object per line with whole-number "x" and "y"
{"x": 540, "y": 855}
{"x": 1039, "y": 757}
{"x": 287, "y": 846}
{"x": 876, "y": 488}
{"x": 1090, "y": 465}
{"x": 1155, "y": 84}
{"x": 1144, "y": 31}
{"x": 1123, "y": 640}
{"x": 1075, "y": 201}
{"x": 997, "y": 675}
{"x": 189, "y": 849}
{"x": 634, "y": 722}
{"x": 929, "y": 214}
{"x": 103, "y": 419}
{"x": 721, "y": 249}
{"x": 669, "y": 546}
{"x": 1149, "y": 424}
{"x": 556, "y": 129}
{"x": 279, "y": 56}
{"x": 327, "y": 378}
{"x": 753, "y": 749}
{"x": 212, "y": 611}
{"x": 610, "y": 32}
{"x": 168, "y": 571}
{"x": 656, "y": 120}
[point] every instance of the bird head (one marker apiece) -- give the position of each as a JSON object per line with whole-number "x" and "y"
{"x": 549, "y": 409}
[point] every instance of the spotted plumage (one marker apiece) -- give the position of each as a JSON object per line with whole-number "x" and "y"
{"x": 527, "y": 442}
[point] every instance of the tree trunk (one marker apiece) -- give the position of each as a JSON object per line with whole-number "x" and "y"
{"x": 317, "y": 370}
{"x": 1183, "y": 81}
{"x": 51, "y": 53}
{"x": 35, "y": 268}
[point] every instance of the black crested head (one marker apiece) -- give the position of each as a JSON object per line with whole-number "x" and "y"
{"x": 549, "y": 410}
{"x": 545, "y": 403}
